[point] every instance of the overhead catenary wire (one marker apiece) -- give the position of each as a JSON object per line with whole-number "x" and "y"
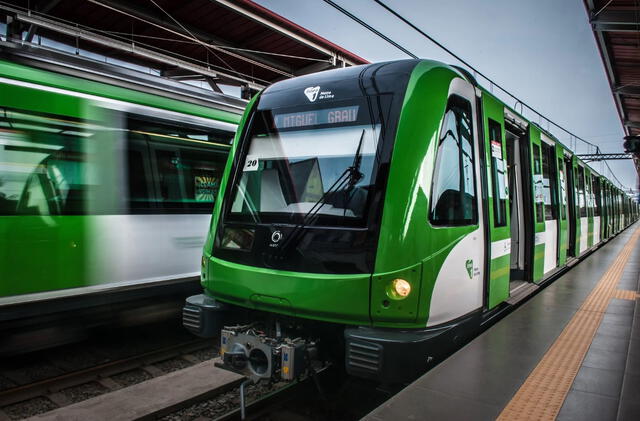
{"x": 370, "y": 28}
{"x": 466, "y": 63}
{"x": 193, "y": 37}
{"x": 224, "y": 47}
{"x": 614, "y": 175}
{"x": 454, "y": 55}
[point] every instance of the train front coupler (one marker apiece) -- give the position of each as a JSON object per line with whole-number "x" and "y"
{"x": 249, "y": 351}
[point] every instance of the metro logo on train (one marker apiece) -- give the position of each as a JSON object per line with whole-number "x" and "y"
{"x": 312, "y": 93}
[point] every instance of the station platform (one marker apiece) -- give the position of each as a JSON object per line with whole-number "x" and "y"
{"x": 572, "y": 352}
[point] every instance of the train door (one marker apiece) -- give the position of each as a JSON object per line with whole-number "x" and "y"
{"x": 588, "y": 187}
{"x": 537, "y": 220}
{"x": 498, "y": 206}
{"x": 583, "y": 214}
{"x": 606, "y": 212}
{"x": 597, "y": 209}
{"x": 563, "y": 199}
{"x": 550, "y": 193}
{"x": 515, "y": 144}
{"x": 571, "y": 206}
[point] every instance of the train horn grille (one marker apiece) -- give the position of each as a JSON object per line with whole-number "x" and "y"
{"x": 192, "y": 318}
{"x": 365, "y": 356}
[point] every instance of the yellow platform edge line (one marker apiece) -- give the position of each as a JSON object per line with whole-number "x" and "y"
{"x": 625, "y": 294}
{"x": 542, "y": 394}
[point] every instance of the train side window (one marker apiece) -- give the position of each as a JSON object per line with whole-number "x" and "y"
{"x": 582, "y": 204}
{"x": 588, "y": 194}
{"x": 44, "y": 168}
{"x": 202, "y": 172}
{"x": 170, "y": 184}
{"x": 597, "y": 203}
{"x": 174, "y": 169}
{"x": 563, "y": 189}
{"x": 498, "y": 167}
{"x": 453, "y": 193}
{"x": 538, "y": 184}
{"x": 549, "y": 182}
{"x": 189, "y": 178}
{"x": 139, "y": 174}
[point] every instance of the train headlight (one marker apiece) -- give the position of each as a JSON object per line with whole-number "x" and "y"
{"x": 400, "y": 288}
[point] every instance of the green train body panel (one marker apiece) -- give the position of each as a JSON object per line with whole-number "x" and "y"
{"x": 291, "y": 293}
{"x": 499, "y": 267}
{"x": 42, "y": 254}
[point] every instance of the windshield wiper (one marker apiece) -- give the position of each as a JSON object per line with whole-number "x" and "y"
{"x": 355, "y": 174}
{"x": 349, "y": 178}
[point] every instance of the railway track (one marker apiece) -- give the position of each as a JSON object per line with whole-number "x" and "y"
{"x": 166, "y": 395}
{"x": 51, "y": 388}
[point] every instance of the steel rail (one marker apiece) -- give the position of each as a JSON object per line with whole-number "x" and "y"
{"x": 53, "y": 384}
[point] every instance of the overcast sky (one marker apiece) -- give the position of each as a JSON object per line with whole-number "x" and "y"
{"x": 543, "y": 51}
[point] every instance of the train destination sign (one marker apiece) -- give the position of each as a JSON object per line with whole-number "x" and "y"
{"x": 317, "y": 117}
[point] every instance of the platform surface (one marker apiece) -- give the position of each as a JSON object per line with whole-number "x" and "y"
{"x": 572, "y": 352}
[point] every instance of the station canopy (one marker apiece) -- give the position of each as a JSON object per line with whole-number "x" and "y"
{"x": 616, "y": 26}
{"x": 222, "y": 42}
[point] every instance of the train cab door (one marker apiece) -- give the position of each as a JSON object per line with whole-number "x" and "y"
{"x": 457, "y": 214}
{"x": 498, "y": 195}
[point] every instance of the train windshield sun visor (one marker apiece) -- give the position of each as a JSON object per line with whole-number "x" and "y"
{"x": 315, "y": 165}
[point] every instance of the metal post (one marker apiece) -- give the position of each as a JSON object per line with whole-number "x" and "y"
{"x": 242, "y": 403}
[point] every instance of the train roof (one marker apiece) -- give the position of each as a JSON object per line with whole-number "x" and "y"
{"x": 85, "y": 68}
{"x": 381, "y": 69}
{"x": 404, "y": 67}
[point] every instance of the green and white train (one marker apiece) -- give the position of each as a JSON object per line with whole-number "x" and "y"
{"x": 374, "y": 213}
{"x": 107, "y": 181}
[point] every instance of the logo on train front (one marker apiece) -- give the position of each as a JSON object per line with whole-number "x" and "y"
{"x": 276, "y": 236}
{"x": 312, "y": 92}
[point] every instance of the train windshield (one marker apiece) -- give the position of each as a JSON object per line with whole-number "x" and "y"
{"x": 312, "y": 164}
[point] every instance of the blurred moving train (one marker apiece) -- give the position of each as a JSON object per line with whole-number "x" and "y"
{"x": 107, "y": 183}
{"x": 374, "y": 214}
